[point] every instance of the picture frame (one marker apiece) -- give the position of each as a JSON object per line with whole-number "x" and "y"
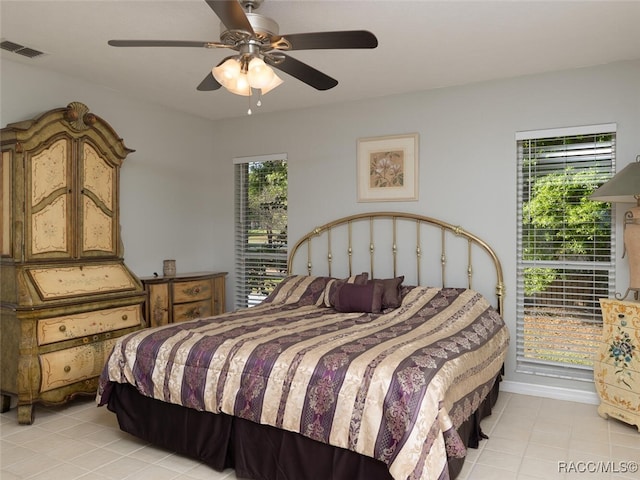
{"x": 387, "y": 168}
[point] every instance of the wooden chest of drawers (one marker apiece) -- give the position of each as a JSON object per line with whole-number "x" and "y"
{"x": 617, "y": 364}
{"x": 184, "y": 297}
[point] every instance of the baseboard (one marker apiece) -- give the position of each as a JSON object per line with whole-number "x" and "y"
{"x": 557, "y": 393}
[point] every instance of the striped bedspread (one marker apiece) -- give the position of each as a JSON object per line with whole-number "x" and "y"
{"x": 393, "y": 386}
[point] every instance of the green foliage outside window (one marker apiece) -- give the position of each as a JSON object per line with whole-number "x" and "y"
{"x": 560, "y": 223}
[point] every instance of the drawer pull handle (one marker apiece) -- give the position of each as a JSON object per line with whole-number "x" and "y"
{"x": 124, "y": 317}
{"x": 621, "y": 315}
{"x": 62, "y": 328}
{"x": 197, "y": 289}
{"x": 67, "y": 369}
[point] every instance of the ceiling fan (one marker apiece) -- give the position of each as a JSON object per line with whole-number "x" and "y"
{"x": 259, "y": 45}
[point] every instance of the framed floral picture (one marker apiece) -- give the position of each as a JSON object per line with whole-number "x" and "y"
{"x": 387, "y": 168}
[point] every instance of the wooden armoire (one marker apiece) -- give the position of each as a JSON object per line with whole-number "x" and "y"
{"x": 66, "y": 292}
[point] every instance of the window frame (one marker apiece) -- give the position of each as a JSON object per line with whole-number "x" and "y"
{"x": 243, "y": 257}
{"x": 536, "y": 366}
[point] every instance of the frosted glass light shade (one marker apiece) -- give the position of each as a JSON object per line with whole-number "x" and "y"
{"x": 227, "y": 73}
{"x": 259, "y": 73}
{"x": 240, "y": 86}
{"x": 275, "y": 81}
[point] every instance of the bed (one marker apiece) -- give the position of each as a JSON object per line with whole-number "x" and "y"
{"x": 357, "y": 371}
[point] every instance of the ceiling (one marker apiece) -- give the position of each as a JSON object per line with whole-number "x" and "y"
{"x": 422, "y": 45}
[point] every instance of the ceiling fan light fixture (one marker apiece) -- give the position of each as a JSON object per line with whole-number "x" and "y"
{"x": 259, "y": 74}
{"x": 238, "y": 80}
{"x": 275, "y": 82}
{"x": 227, "y": 73}
{"x": 239, "y": 86}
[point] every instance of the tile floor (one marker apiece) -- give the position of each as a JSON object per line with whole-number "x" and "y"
{"x": 530, "y": 438}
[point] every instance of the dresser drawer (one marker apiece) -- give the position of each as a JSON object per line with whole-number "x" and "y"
{"x": 190, "y": 311}
{"x": 51, "y": 330}
{"x": 184, "y": 297}
{"x": 71, "y": 365}
{"x": 615, "y": 389}
{"x": 620, "y": 348}
{"x": 191, "y": 291}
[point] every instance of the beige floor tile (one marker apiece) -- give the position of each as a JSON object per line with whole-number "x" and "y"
{"x": 559, "y": 439}
{"x": 593, "y": 447}
{"x": 623, "y": 440}
{"x": 96, "y": 458}
{"x": 30, "y": 466}
{"x": 486, "y": 472}
{"x": 529, "y": 437}
{"x": 121, "y": 468}
{"x": 156, "y": 472}
{"x": 178, "y": 463}
{"x": 506, "y": 445}
{"x": 546, "y": 452}
{"x": 504, "y": 461}
{"x": 536, "y": 467}
{"x": 67, "y": 471}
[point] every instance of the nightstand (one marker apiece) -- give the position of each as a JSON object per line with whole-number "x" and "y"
{"x": 617, "y": 364}
{"x": 184, "y": 297}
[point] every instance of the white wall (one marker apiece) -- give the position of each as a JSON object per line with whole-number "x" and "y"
{"x": 467, "y": 155}
{"x": 177, "y": 189}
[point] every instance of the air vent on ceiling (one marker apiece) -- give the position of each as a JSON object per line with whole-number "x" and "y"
{"x": 20, "y": 49}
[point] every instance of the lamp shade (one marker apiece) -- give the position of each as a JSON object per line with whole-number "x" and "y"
{"x": 275, "y": 81}
{"x": 259, "y": 74}
{"x": 623, "y": 187}
{"x": 240, "y": 86}
{"x": 227, "y": 73}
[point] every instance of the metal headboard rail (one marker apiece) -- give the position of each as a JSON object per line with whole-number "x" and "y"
{"x": 418, "y": 220}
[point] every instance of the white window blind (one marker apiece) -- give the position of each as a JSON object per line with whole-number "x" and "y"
{"x": 261, "y": 226}
{"x": 565, "y": 248}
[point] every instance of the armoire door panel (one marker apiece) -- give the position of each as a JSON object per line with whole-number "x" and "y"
{"x": 98, "y": 176}
{"x": 50, "y": 170}
{"x": 49, "y": 229}
{"x": 97, "y": 228}
{"x": 50, "y": 206}
{"x": 98, "y": 221}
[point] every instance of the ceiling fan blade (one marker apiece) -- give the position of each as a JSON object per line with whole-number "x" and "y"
{"x": 231, "y": 14}
{"x": 164, "y": 43}
{"x": 209, "y": 83}
{"x": 303, "y": 72}
{"x": 340, "y": 39}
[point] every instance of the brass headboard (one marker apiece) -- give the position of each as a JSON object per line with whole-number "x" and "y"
{"x": 401, "y": 233}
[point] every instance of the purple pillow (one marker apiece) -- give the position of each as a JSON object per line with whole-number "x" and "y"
{"x": 334, "y": 283}
{"x": 391, "y": 296}
{"x": 352, "y": 297}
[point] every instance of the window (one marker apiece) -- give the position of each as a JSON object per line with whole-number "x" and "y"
{"x": 261, "y": 226}
{"x": 565, "y": 248}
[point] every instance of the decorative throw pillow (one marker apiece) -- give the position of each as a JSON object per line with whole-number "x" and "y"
{"x": 352, "y": 297}
{"x": 301, "y": 289}
{"x": 391, "y": 297}
{"x": 333, "y": 285}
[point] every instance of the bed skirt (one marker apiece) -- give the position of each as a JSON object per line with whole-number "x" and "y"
{"x": 256, "y": 451}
